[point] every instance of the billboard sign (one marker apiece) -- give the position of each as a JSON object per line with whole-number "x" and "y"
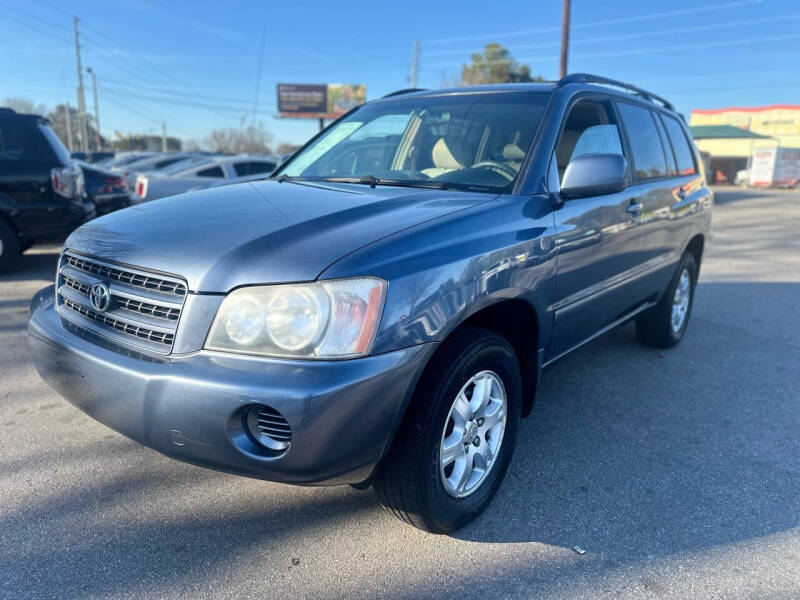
{"x": 319, "y": 101}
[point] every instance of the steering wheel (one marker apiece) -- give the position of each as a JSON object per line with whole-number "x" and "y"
{"x": 501, "y": 168}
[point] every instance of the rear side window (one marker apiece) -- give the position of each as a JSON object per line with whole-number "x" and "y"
{"x": 253, "y": 167}
{"x": 671, "y": 168}
{"x": 648, "y": 154}
{"x": 211, "y": 172}
{"x": 683, "y": 151}
{"x": 21, "y": 142}
{"x": 166, "y": 162}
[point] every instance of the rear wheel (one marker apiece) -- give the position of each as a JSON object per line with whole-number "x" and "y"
{"x": 454, "y": 446}
{"x": 663, "y": 325}
{"x": 9, "y": 247}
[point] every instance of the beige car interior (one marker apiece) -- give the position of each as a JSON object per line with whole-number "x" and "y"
{"x": 453, "y": 154}
{"x": 582, "y": 116}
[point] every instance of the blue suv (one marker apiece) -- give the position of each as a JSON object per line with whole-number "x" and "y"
{"x": 379, "y": 311}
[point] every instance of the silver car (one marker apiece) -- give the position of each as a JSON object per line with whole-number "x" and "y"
{"x": 152, "y": 164}
{"x": 199, "y": 173}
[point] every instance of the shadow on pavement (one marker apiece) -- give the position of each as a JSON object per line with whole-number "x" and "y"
{"x": 32, "y": 266}
{"x": 733, "y": 194}
{"x": 632, "y": 451}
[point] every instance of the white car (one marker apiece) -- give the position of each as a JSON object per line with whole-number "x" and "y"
{"x": 199, "y": 173}
{"x": 742, "y": 177}
{"x": 151, "y": 164}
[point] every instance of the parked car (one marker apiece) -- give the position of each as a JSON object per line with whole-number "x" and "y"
{"x": 41, "y": 188}
{"x": 243, "y": 179}
{"x": 106, "y": 189}
{"x": 199, "y": 173}
{"x": 153, "y": 164}
{"x": 120, "y": 159}
{"x": 95, "y": 156}
{"x": 380, "y": 311}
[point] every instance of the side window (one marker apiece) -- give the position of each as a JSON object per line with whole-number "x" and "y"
{"x": 166, "y": 162}
{"x": 590, "y": 129}
{"x": 671, "y": 168}
{"x": 683, "y": 151}
{"x": 211, "y": 172}
{"x": 20, "y": 142}
{"x": 648, "y": 154}
{"x": 253, "y": 168}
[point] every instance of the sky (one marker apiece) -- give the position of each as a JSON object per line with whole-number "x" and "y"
{"x": 194, "y": 64}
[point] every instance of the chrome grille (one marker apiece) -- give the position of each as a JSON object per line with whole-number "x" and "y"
{"x": 143, "y": 308}
{"x": 126, "y": 276}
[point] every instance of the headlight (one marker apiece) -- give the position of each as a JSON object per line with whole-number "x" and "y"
{"x": 323, "y": 319}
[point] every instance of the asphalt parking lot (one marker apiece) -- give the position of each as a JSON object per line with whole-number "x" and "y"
{"x": 678, "y": 472}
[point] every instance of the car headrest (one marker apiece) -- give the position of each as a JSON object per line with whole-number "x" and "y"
{"x": 449, "y": 154}
{"x": 513, "y": 152}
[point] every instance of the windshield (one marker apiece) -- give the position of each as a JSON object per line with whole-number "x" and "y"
{"x": 464, "y": 141}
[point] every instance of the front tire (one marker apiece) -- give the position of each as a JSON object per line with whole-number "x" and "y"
{"x": 456, "y": 441}
{"x": 663, "y": 325}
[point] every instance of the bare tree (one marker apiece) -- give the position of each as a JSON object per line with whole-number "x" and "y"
{"x": 287, "y": 148}
{"x": 251, "y": 139}
{"x": 23, "y": 105}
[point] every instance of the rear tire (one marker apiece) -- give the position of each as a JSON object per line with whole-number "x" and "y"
{"x": 456, "y": 441}
{"x": 9, "y": 247}
{"x": 663, "y": 325}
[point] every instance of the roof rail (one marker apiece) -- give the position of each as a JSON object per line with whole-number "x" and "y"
{"x": 588, "y": 78}
{"x": 404, "y": 91}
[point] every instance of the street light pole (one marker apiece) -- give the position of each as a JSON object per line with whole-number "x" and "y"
{"x": 564, "y": 38}
{"x": 81, "y": 99}
{"x": 96, "y": 109}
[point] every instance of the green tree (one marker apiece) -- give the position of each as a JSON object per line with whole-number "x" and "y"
{"x": 495, "y": 65}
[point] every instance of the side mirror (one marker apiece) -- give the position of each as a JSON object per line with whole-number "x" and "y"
{"x": 594, "y": 175}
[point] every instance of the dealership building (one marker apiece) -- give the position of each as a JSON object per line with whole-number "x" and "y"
{"x": 730, "y": 135}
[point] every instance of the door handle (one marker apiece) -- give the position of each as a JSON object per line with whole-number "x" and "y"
{"x": 634, "y": 207}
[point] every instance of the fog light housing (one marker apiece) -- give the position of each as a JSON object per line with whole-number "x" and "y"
{"x": 269, "y": 428}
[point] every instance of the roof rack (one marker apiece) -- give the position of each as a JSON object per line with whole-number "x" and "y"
{"x": 588, "y": 78}
{"x": 404, "y": 91}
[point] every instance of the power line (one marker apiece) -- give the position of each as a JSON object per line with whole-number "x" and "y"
{"x": 617, "y": 21}
{"x": 647, "y": 50}
{"x": 19, "y": 21}
{"x": 638, "y": 35}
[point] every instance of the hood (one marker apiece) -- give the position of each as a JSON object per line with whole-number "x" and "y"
{"x": 262, "y": 232}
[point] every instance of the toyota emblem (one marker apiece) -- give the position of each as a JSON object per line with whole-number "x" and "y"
{"x": 100, "y": 297}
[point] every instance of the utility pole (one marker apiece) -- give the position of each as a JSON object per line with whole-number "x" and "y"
{"x": 68, "y": 122}
{"x": 415, "y": 65}
{"x": 81, "y": 99}
{"x": 564, "y": 38}
{"x": 96, "y": 109}
{"x": 163, "y": 136}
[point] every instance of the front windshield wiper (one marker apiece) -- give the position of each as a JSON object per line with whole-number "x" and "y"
{"x": 372, "y": 181}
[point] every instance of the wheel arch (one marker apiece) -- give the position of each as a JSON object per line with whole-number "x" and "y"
{"x": 517, "y": 321}
{"x": 696, "y": 246}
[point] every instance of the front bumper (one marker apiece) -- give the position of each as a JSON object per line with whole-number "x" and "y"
{"x": 343, "y": 414}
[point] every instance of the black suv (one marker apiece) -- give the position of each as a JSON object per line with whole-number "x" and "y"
{"x": 41, "y": 189}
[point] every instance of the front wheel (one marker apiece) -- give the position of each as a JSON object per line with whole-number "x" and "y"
{"x": 454, "y": 446}
{"x": 663, "y": 325}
